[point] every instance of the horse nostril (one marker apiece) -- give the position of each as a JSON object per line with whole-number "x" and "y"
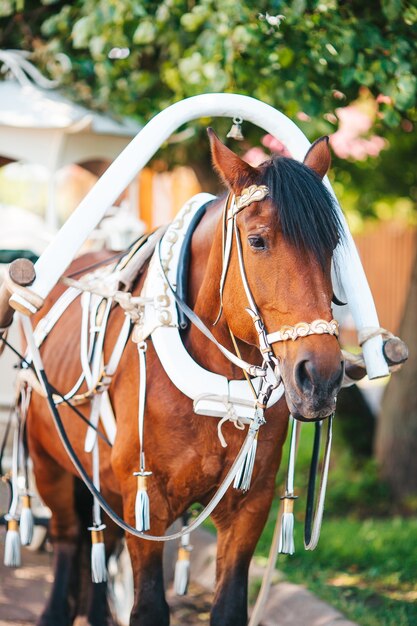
{"x": 303, "y": 376}
{"x": 309, "y": 378}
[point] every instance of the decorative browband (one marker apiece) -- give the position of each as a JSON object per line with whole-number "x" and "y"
{"x": 302, "y": 329}
{"x": 254, "y": 193}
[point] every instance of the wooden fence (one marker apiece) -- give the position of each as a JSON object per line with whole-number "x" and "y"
{"x": 387, "y": 251}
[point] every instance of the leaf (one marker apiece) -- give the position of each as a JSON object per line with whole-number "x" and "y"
{"x": 392, "y": 8}
{"x": 298, "y": 7}
{"x": 286, "y": 57}
{"x": 406, "y": 91}
{"x": 391, "y": 117}
{"x": 81, "y": 32}
{"x": 145, "y": 33}
{"x": 195, "y": 19}
{"x": 97, "y": 45}
{"x": 347, "y": 76}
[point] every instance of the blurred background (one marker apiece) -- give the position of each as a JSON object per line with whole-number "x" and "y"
{"x": 77, "y": 82}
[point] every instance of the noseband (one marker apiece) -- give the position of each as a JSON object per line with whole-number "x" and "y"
{"x": 233, "y": 206}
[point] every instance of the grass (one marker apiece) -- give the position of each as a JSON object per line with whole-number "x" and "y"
{"x": 365, "y": 568}
{"x": 365, "y": 563}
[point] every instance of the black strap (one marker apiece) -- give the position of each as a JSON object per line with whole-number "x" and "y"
{"x": 311, "y": 489}
{"x": 184, "y": 263}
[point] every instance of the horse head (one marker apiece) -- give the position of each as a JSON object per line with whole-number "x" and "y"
{"x": 286, "y": 227}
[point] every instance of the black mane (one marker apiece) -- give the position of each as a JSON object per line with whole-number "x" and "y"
{"x": 307, "y": 211}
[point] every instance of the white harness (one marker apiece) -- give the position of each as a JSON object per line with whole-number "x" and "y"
{"x": 212, "y": 394}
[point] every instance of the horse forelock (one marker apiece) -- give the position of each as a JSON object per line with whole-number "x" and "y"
{"x": 306, "y": 210}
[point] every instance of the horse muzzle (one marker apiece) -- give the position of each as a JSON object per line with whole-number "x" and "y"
{"x": 311, "y": 387}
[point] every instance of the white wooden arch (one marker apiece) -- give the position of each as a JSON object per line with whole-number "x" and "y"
{"x": 136, "y": 155}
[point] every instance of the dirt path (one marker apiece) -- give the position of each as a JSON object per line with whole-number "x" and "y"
{"x": 23, "y": 593}
{"x": 24, "y": 590}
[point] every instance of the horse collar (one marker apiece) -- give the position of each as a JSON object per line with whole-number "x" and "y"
{"x": 212, "y": 394}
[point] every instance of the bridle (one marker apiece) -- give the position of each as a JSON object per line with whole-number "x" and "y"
{"x": 233, "y": 206}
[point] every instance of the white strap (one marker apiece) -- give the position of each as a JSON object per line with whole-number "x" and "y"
{"x": 119, "y": 347}
{"x": 227, "y": 248}
{"x": 248, "y": 292}
{"x": 295, "y": 427}
{"x": 91, "y": 435}
{"x": 142, "y": 347}
{"x": 96, "y": 482}
{"x": 15, "y": 467}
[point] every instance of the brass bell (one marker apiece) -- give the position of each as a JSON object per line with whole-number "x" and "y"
{"x": 236, "y": 131}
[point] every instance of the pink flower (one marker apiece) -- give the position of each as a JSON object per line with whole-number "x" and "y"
{"x": 383, "y": 99}
{"x": 255, "y": 156}
{"x": 303, "y": 117}
{"x": 349, "y": 141}
{"x": 275, "y": 145}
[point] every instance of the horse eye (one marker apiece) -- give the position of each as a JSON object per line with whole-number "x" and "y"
{"x": 257, "y": 242}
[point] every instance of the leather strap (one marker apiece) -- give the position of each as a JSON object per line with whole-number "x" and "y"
{"x": 184, "y": 263}
{"x": 253, "y": 370}
{"x": 314, "y": 520}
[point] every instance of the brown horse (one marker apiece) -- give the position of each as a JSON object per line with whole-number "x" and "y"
{"x": 287, "y": 242}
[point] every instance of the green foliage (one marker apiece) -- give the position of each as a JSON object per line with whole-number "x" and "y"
{"x": 309, "y": 56}
{"x": 179, "y": 48}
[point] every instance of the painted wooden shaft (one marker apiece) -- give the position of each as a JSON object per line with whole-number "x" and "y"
{"x": 21, "y": 272}
{"x": 395, "y": 352}
{"x": 136, "y": 155}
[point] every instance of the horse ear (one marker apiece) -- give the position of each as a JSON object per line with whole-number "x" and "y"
{"x": 235, "y": 172}
{"x": 318, "y": 158}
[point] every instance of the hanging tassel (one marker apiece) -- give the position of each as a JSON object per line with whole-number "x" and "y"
{"x": 244, "y": 476}
{"x": 12, "y": 543}
{"x": 142, "y": 513}
{"x": 182, "y": 568}
{"x": 236, "y": 131}
{"x": 286, "y": 540}
{"x": 26, "y": 521}
{"x": 98, "y": 555}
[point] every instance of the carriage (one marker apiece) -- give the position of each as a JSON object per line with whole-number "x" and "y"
{"x": 171, "y": 374}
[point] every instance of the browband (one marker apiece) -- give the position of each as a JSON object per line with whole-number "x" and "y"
{"x": 254, "y": 193}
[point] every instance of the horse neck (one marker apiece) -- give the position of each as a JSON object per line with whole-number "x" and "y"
{"x": 204, "y": 296}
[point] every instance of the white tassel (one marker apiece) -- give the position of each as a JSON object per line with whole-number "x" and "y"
{"x": 182, "y": 571}
{"x": 244, "y": 476}
{"x": 26, "y": 522}
{"x": 98, "y": 555}
{"x": 12, "y": 544}
{"x": 286, "y": 540}
{"x": 142, "y": 512}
